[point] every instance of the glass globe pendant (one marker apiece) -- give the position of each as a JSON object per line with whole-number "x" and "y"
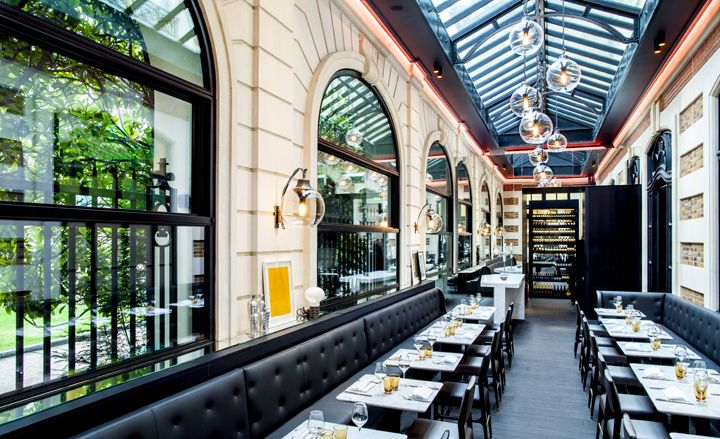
{"x": 434, "y": 222}
{"x": 538, "y": 156}
{"x": 354, "y": 137}
{"x": 535, "y": 127}
{"x": 542, "y": 172}
{"x": 555, "y": 182}
{"x": 485, "y": 229}
{"x": 524, "y": 99}
{"x": 557, "y": 142}
{"x": 526, "y": 37}
{"x": 563, "y": 75}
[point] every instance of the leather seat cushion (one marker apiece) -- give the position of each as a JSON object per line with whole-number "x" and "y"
{"x": 696, "y": 325}
{"x": 605, "y": 341}
{"x": 612, "y": 355}
{"x": 623, "y": 375}
{"x": 643, "y": 429}
{"x": 478, "y": 350}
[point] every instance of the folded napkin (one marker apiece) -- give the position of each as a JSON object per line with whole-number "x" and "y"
{"x": 674, "y": 394}
{"x": 653, "y": 372}
{"x": 395, "y": 357}
{"x": 364, "y": 386}
{"x": 421, "y": 393}
{"x": 444, "y": 359}
{"x": 640, "y": 347}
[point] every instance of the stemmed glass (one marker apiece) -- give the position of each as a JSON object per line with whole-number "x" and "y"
{"x": 404, "y": 364}
{"x": 617, "y": 301}
{"x": 432, "y": 338}
{"x": 681, "y": 354}
{"x": 700, "y": 380}
{"x": 419, "y": 342}
{"x": 380, "y": 371}
{"x": 316, "y": 422}
{"x": 629, "y": 310}
{"x": 654, "y": 336}
{"x": 359, "y": 414}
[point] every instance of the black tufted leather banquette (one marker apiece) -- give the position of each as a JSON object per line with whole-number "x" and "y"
{"x": 698, "y": 326}
{"x": 216, "y": 408}
{"x": 257, "y": 400}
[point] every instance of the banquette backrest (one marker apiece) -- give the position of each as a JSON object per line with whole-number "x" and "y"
{"x": 254, "y": 401}
{"x": 699, "y": 326}
{"x": 652, "y": 304}
{"x": 216, "y": 408}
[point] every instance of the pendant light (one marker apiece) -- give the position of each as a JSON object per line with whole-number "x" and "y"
{"x": 557, "y": 142}
{"x": 542, "y": 172}
{"x": 432, "y": 220}
{"x": 535, "y": 127}
{"x": 564, "y": 74}
{"x": 354, "y": 137}
{"x": 555, "y": 182}
{"x": 300, "y": 206}
{"x": 525, "y": 97}
{"x": 527, "y": 36}
{"x": 538, "y": 156}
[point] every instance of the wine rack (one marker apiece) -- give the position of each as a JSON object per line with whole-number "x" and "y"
{"x": 553, "y": 241}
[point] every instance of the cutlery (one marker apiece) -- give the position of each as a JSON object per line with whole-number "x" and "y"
{"x": 675, "y": 401}
{"x": 657, "y": 378}
{"x": 357, "y": 392}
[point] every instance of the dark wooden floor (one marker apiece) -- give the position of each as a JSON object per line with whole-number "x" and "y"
{"x": 544, "y": 397}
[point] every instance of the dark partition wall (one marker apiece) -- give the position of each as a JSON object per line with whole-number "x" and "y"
{"x": 613, "y": 240}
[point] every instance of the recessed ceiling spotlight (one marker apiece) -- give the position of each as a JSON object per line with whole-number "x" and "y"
{"x": 594, "y": 164}
{"x": 504, "y": 167}
{"x": 659, "y": 42}
{"x": 437, "y": 70}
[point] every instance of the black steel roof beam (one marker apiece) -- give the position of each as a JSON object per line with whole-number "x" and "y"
{"x": 568, "y": 106}
{"x": 571, "y": 98}
{"x": 581, "y": 52}
{"x": 466, "y": 12}
{"x": 579, "y": 25}
{"x": 615, "y": 8}
{"x": 588, "y": 43}
{"x": 444, "y": 5}
{"x": 479, "y": 24}
{"x": 509, "y": 67}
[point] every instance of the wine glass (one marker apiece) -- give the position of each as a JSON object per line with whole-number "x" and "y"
{"x": 316, "y": 422}
{"x": 418, "y": 342}
{"x": 654, "y": 336}
{"x": 404, "y": 364}
{"x": 700, "y": 383}
{"x": 681, "y": 354}
{"x": 380, "y": 371}
{"x": 359, "y": 414}
{"x": 432, "y": 338}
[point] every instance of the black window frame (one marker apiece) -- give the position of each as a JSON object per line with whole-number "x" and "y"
{"x": 50, "y": 37}
{"x": 448, "y": 217}
{"x": 469, "y": 217}
{"x": 393, "y": 213}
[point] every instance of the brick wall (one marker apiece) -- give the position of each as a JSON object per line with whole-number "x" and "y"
{"x": 692, "y": 207}
{"x": 691, "y": 161}
{"x": 691, "y": 114}
{"x": 511, "y": 201}
{"x": 511, "y": 215}
{"x": 637, "y": 132}
{"x": 693, "y": 296}
{"x": 511, "y": 229}
{"x": 692, "y": 253}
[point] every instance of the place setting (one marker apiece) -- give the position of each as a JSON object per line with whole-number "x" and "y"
{"x": 452, "y": 330}
{"x": 617, "y": 310}
{"x": 316, "y": 427}
{"x": 424, "y": 358}
{"x": 633, "y": 327}
{"x": 473, "y": 311}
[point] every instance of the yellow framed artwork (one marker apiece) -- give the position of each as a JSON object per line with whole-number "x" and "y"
{"x": 278, "y": 288}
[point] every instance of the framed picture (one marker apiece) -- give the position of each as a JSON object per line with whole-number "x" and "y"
{"x": 278, "y": 289}
{"x": 420, "y": 265}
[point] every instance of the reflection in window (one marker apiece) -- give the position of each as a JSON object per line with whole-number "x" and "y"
{"x": 438, "y": 246}
{"x": 74, "y": 135}
{"x": 486, "y": 230}
{"x": 159, "y": 32}
{"x": 352, "y": 118}
{"x": 465, "y": 220}
{"x": 357, "y": 177}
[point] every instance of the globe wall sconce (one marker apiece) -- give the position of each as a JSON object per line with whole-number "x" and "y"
{"x": 432, "y": 220}
{"x": 302, "y": 206}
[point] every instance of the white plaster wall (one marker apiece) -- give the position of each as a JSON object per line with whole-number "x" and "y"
{"x": 705, "y": 82}
{"x": 273, "y": 60}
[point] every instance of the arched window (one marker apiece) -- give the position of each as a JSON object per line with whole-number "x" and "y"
{"x": 498, "y": 223}
{"x": 633, "y": 170}
{"x": 358, "y": 177}
{"x": 465, "y": 219}
{"x": 106, "y": 179}
{"x": 486, "y": 229}
{"x": 438, "y": 184}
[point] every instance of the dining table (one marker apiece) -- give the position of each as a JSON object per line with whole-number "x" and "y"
{"x": 673, "y": 396}
{"x": 644, "y": 350}
{"x": 621, "y": 330}
{"x": 439, "y": 362}
{"x": 481, "y": 313}
{"x": 411, "y": 395}
{"x": 612, "y": 313}
{"x": 464, "y": 335}
{"x": 302, "y": 432}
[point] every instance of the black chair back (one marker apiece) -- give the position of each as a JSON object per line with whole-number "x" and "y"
{"x": 628, "y": 431}
{"x": 465, "y": 415}
{"x": 612, "y": 406}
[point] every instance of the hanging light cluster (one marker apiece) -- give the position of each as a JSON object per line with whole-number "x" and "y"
{"x": 562, "y": 76}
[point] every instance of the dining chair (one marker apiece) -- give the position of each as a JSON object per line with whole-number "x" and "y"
{"x": 508, "y": 341}
{"x": 451, "y": 394}
{"x": 471, "y": 364}
{"x": 616, "y": 404}
{"x": 432, "y": 429}
{"x": 621, "y": 375}
{"x": 637, "y": 429}
{"x": 578, "y": 328}
{"x": 586, "y": 359}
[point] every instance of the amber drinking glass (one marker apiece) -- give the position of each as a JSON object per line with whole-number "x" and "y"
{"x": 387, "y": 385}
{"x": 700, "y": 384}
{"x": 340, "y": 431}
{"x": 394, "y": 381}
{"x": 681, "y": 354}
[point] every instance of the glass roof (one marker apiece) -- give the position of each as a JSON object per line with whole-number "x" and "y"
{"x": 598, "y": 36}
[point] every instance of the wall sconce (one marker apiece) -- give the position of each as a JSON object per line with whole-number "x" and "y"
{"x": 499, "y": 231}
{"x": 302, "y": 206}
{"x": 485, "y": 229}
{"x": 433, "y": 221}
